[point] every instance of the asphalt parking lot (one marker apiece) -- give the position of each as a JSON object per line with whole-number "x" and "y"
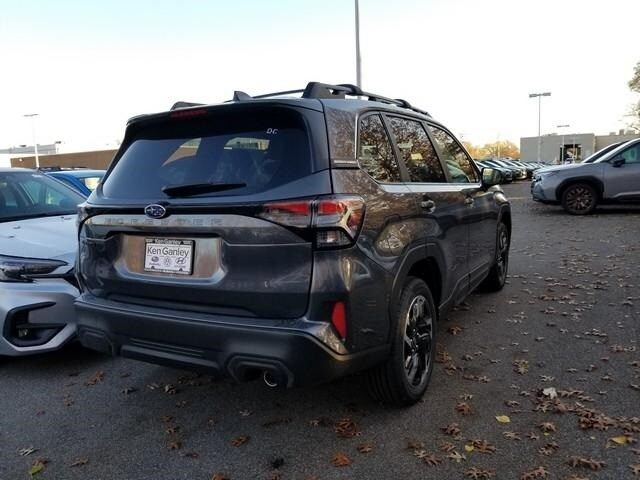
{"x": 541, "y": 377}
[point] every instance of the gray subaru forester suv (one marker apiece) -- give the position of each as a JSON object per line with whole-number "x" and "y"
{"x": 291, "y": 239}
{"x": 609, "y": 176}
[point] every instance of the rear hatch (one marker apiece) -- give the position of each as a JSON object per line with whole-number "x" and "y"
{"x": 196, "y": 212}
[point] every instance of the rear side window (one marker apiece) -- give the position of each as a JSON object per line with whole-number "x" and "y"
{"x": 417, "y": 151}
{"x": 375, "y": 153}
{"x": 456, "y": 161}
{"x": 261, "y": 149}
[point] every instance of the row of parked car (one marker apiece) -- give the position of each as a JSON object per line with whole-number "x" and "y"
{"x": 256, "y": 239}
{"x": 512, "y": 170}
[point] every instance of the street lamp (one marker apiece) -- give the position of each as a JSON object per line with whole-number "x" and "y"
{"x": 33, "y": 116}
{"x": 358, "y": 59}
{"x": 539, "y": 97}
{"x": 562, "y": 144}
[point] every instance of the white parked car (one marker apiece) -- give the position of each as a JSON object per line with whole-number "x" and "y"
{"x": 38, "y": 245}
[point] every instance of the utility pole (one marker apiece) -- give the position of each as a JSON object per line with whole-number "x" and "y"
{"x": 539, "y": 97}
{"x": 33, "y": 116}
{"x": 358, "y": 59}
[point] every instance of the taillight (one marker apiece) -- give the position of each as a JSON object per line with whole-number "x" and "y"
{"x": 336, "y": 219}
{"x": 292, "y": 214}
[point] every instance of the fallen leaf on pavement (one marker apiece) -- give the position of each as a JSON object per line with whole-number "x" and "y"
{"x": 97, "y": 378}
{"x": 547, "y": 427}
{"x": 539, "y": 472}
{"x": 483, "y": 446}
{"x": 341, "y": 460}
{"x": 365, "y": 448}
{"x": 239, "y": 441}
{"x": 503, "y": 419}
{"x": 476, "y": 473}
{"x": 346, "y": 428}
{"x": 80, "y": 462}
{"x": 456, "y": 457}
{"x": 37, "y": 466}
{"x": 24, "y": 452}
{"x": 463, "y": 408}
{"x": 589, "y": 463}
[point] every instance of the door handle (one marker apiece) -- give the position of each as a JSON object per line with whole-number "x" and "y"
{"x": 468, "y": 201}
{"x": 428, "y": 205}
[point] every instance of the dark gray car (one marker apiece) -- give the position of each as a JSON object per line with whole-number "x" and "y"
{"x": 293, "y": 239}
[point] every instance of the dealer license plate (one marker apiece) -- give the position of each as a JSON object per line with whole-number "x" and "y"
{"x": 168, "y": 255}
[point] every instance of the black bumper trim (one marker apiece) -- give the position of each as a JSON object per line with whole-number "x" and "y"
{"x": 220, "y": 347}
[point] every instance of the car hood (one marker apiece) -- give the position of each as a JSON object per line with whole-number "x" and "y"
{"x": 44, "y": 237}
{"x": 557, "y": 168}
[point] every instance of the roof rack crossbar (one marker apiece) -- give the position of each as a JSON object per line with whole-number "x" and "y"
{"x": 277, "y": 94}
{"x": 320, "y": 90}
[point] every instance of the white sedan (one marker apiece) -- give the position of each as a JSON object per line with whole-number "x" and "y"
{"x": 38, "y": 245}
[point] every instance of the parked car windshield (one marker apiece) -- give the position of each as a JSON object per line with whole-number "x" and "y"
{"x": 596, "y": 155}
{"x": 90, "y": 182}
{"x": 31, "y": 195}
{"x": 250, "y": 152}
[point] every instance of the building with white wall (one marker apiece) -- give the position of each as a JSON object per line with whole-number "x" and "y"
{"x": 560, "y": 148}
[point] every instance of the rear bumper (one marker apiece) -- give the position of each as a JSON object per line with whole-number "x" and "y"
{"x": 295, "y": 352}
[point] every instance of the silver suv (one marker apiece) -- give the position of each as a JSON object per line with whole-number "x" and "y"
{"x": 612, "y": 178}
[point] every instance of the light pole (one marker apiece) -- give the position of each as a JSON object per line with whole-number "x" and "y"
{"x": 33, "y": 116}
{"x": 358, "y": 59}
{"x": 539, "y": 97}
{"x": 562, "y": 144}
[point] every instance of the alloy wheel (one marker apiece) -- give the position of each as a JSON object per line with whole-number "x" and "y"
{"x": 579, "y": 199}
{"x": 418, "y": 340}
{"x": 502, "y": 253}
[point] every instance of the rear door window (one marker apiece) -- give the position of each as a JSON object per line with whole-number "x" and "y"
{"x": 457, "y": 162}
{"x": 417, "y": 151}
{"x": 259, "y": 149}
{"x": 375, "y": 153}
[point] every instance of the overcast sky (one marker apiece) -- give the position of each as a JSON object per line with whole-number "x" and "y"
{"x": 86, "y": 67}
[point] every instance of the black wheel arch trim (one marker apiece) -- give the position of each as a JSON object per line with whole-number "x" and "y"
{"x": 416, "y": 254}
{"x": 589, "y": 179}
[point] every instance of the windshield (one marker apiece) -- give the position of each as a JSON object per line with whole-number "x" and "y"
{"x": 263, "y": 150}
{"x": 31, "y": 195}
{"x": 596, "y": 155}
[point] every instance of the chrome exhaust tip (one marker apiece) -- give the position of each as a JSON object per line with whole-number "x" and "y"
{"x": 270, "y": 380}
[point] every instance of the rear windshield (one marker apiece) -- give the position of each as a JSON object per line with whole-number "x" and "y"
{"x": 261, "y": 149}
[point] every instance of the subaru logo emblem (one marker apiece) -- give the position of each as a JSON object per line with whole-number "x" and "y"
{"x": 155, "y": 211}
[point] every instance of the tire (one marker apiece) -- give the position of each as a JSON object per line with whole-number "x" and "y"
{"x": 403, "y": 378}
{"x": 579, "y": 199}
{"x": 498, "y": 274}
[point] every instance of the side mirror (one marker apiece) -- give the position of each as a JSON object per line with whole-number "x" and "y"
{"x": 491, "y": 177}
{"x": 618, "y": 162}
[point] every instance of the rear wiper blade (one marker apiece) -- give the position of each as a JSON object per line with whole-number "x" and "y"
{"x": 190, "y": 189}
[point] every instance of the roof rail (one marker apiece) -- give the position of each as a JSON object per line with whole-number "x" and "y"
{"x": 329, "y": 91}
